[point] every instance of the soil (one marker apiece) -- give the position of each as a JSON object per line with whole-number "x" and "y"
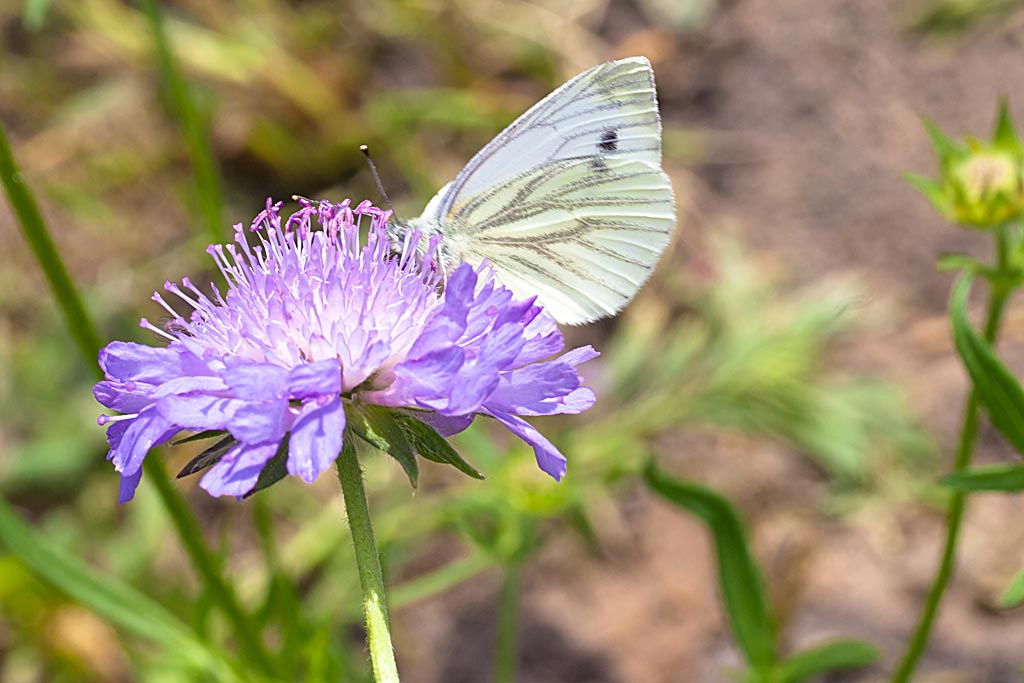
{"x": 811, "y": 111}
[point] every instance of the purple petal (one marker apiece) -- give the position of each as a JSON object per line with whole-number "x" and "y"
{"x": 548, "y": 458}
{"x": 442, "y": 424}
{"x": 314, "y": 379}
{"x": 124, "y": 398}
{"x": 256, "y": 381}
{"x": 128, "y": 485}
{"x": 258, "y": 422}
{"x": 205, "y": 384}
{"x": 154, "y": 365}
{"x": 147, "y": 430}
{"x": 199, "y": 412}
{"x": 238, "y": 470}
{"x": 316, "y": 439}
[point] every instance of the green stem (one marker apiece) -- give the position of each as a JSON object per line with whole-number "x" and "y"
{"x": 193, "y": 128}
{"x": 220, "y": 591}
{"x": 958, "y": 500}
{"x": 33, "y": 227}
{"x": 507, "y": 649}
{"x": 375, "y": 609}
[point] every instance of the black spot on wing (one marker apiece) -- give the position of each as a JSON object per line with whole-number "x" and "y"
{"x": 609, "y": 141}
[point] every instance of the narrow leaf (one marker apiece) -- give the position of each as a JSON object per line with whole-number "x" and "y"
{"x": 995, "y": 478}
{"x": 740, "y": 580}
{"x": 33, "y": 13}
{"x": 429, "y": 444}
{"x": 38, "y": 238}
{"x": 274, "y": 471}
{"x": 378, "y": 427}
{"x": 107, "y": 596}
{"x": 211, "y": 456}
{"x": 193, "y": 126}
{"x": 1014, "y": 593}
{"x": 827, "y": 657}
{"x": 996, "y": 387}
{"x": 200, "y": 436}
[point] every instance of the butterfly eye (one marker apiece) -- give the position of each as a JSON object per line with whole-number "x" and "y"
{"x": 609, "y": 141}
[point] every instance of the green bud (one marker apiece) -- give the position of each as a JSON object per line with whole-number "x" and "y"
{"x": 981, "y": 184}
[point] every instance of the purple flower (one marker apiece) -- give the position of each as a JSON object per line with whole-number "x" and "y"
{"x": 315, "y": 324}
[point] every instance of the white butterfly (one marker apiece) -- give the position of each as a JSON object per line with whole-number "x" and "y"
{"x": 569, "y": 203}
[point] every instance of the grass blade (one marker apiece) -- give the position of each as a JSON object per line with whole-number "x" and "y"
{"x": 740, "y": 580}
{"x": 208, "y": 183}
{"x": 117, "y": 602}
{"x": 831, "y": 656}
{"x": 34, "y": 229}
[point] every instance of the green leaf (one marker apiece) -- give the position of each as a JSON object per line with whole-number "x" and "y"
{"x": 208, "y": 185}
{"x": 377, "y": 426}
{"x": 107, "y": 596}
{"x": 995, "y": 478}
{"x": 33, "y": 227}
{"x": 995, "y": 386}
{"x": 740, "y": 580}
{"x": 949, "y": 262}
{"x": 210, "y": 456}
{"x": 432, "y": 446}
{"x": 274, "y": 471}
{"x": 1014, "y": 593}
{"x": 831, "y": 656}
{"x": 199, "y": 436}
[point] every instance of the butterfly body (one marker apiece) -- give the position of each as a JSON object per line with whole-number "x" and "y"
{"x": 569, "y": 203}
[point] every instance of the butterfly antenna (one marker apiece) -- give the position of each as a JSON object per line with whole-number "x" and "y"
{"x": 376, "y": 177}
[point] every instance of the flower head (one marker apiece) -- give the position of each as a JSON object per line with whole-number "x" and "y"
{"x": 318, "y": 331}
{"x": 981, "y": 183}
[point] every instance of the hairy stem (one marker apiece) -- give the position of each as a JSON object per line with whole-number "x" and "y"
{"x": 375, "y": 610}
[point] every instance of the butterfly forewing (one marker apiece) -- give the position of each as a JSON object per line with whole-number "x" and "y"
{"x": 581, "y": 234}
{"x": 610, "y": 110}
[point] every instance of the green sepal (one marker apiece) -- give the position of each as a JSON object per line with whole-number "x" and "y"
{"x": 378, "y": 427}
{"x": 1005, "y": 133}
{"x": 995, "y": 478}
{"x": 995, "y": 386}
{"x": 946, "y": 147}
{"x": 211, "y": 456}
{"x": 1014, "y": 593}
{"x": 200, "y": 436}
{"x": 274, "y": 471}
{"x": 933, "y": 191}
{"x": 427, "y": 443}
{"x": 834, "y": 655}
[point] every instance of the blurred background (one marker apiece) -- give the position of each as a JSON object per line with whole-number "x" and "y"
{"x": 792, "y": 350}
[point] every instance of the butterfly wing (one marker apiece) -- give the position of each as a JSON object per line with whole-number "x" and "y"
{"x": 582, "y": 234}
{"x": 569, "y": 203}
{"x": 609, "y": 110}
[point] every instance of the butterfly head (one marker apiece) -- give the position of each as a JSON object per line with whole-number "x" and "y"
{"x": 423, "y": 240}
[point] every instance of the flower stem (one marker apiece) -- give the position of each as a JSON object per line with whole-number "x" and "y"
{"x": 507, "y": 649}
{"x": 375, "y": 610}
{"x": 958, "y": 500}
{"x": 249, "y": 645}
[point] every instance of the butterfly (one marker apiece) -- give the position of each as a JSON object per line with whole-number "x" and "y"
{"x": 569, "y": 203}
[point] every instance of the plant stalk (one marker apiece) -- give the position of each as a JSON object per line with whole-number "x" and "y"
{"x": 507, "y": 648}
{"x": 962, "y": 460}
{"x": 375, "y": 610}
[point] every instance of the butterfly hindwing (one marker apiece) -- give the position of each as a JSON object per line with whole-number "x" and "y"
{"x": 582, "y": 237}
